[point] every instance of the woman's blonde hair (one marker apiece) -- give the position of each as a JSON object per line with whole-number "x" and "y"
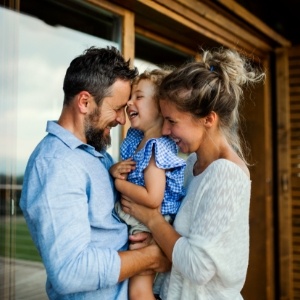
{"x": 213, "y": 84}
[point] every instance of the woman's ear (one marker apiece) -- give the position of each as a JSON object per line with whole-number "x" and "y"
{"x": 83, "y": 101}
{"x": 210, "y": 119}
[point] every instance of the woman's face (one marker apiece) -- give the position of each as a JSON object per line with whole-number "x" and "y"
{"x": 182, "y": 127}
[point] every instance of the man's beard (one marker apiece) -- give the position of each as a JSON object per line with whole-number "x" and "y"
{"x": 95, "y": 136}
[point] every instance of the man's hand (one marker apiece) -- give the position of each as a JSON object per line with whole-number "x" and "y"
{"x": 145, "y": 260}
{"x": 162, "y": 264}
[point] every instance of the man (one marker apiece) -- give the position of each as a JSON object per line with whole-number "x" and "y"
{"x": 68, "y": 195}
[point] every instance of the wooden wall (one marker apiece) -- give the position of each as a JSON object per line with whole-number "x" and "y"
{"x": 258, "y": 133}
{"x": 288, "y": 172}
{"x": 283, "y": 188}
{"x": 294, "y": 90}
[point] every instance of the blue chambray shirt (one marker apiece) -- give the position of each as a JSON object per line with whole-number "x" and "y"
{"x": 67, "y": 200}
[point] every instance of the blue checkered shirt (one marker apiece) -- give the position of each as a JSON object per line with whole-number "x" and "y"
{"x": 166, "y": 157}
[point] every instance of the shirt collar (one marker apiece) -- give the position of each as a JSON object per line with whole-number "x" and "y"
{"x": 69, "y": 138}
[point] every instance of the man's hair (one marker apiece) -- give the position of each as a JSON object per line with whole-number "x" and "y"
{"x": 95, "y": 71}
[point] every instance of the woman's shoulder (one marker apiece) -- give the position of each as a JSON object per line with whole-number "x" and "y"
{"x": 225, "y": 167}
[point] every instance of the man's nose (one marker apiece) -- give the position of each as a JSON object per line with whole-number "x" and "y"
{"x": 121, "y": 118}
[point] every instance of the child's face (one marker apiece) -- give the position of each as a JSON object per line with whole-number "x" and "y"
{"x": 142, "y": 109}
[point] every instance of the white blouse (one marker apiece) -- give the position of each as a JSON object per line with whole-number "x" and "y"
{"x": 210, "y": 260}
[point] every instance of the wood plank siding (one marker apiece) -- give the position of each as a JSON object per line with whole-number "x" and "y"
{"x": 283, "y": 188}
{"x": 294, "y": 88}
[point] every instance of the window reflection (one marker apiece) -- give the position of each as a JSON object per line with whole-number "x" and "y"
{"x": 33, "y": 64}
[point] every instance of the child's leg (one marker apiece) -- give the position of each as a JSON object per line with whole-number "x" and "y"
{"x": 140, "y": 287}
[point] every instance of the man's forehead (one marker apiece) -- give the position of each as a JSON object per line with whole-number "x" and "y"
{"x": 116, "y": 102}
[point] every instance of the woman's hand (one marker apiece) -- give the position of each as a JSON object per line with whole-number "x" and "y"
{"x": 140, "y": 212}
{"x": 121, "y": 169}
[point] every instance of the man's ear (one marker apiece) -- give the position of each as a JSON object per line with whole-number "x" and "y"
{"x": 84, "y": 99}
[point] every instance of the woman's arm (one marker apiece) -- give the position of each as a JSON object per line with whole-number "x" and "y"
{"x": 153, "y": 193}
{"x": 213, "y": 221}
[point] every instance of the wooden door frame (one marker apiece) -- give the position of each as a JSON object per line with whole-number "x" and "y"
{"x": 283, "y": 175}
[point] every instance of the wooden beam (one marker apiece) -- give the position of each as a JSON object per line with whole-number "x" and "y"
{"x": 164, "y": 41}
{"x": 116, "y": 9}
{"x": 229, "y": 41}
{"x": 244, "y": 14}
{"x": 284, "y": 176}
{"x": 128, "y": 46}
{"x": 127, "y": 39}
{"x": 221, "y": 24}
{"x": 269, "y": 185}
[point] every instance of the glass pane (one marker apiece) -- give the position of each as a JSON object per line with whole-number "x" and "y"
{"x": 158, "y": 54}
{"x": 39, "y": 46}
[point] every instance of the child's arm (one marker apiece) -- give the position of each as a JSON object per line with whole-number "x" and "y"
{"x": 153, "y": 193}
{"x": 121, "y": 169}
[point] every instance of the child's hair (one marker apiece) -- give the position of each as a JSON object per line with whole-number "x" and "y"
{"x": 155, "y": 76}
{"x": 213, "y": 84}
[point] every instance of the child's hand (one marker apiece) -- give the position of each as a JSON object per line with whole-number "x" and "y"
{"x": 121, "y": 169}
{"x": 140, "y": 240}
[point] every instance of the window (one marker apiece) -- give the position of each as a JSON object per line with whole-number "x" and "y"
{"x": 158, "y": 54}
{"x": 40, "y": 43}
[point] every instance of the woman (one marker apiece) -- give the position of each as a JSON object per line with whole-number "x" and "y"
{"x": 209, "y": 243}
